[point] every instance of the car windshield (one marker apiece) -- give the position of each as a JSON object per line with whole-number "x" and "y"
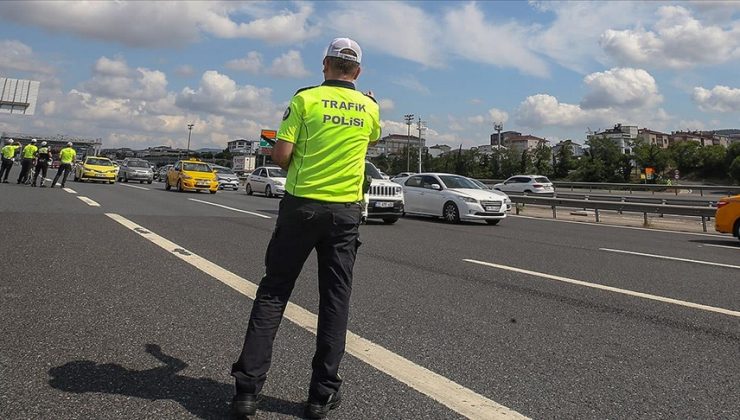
{"x": 196, "y": 167}
{"x": 138, "y": 164}
{"x": 99, "y": 162}
{"x": 276, "y": 173}
{"x": 542, "y": 179}
{"x": 479, "y": 184}
{"x": 454, "y": 181}
{"x": 372, "y": 171}
{"x": 226, "y": 171}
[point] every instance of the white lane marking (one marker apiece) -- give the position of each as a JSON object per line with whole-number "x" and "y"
{"x": 230, "y": 208}
{"x": 88, "y": 201}
{"x": 133, "y": 186}
{"x": 617, "y": 226}
{"x": 611, "y": 289}
{"x": 723, "y": 246}
{"x": 664, "y": 257}
{"x": 456, "y": 397}
{"x": 70, "y": 190}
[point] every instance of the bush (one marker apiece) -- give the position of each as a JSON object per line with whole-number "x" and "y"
{"x": 735, "y": 169}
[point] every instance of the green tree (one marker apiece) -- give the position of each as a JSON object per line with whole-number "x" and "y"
{"x": 735, "y": 169}
{"x": 603, "y": 162}
{"x": 733, "y": 151}
{"x": 564, "y": 161}
{"x": 510, "y": 163}
{"x": 542, "y": 159}
{"x": 685, "y": 155}
{"x": 713, "y": 161}
{"x": 650, "y": 156}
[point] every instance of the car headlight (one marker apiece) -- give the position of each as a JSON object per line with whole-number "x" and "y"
{"x": 469, "y": 200}
{"x": 278, "y": 183}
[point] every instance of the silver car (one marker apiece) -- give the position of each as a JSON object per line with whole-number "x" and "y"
{"x": 226, "y": 178}
{"x": 135, "y": 170}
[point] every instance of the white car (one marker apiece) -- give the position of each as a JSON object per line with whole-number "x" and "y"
{"x": 226, "y": 178}
{"x": 384, "y": 200}
{"x": 452, "y": 197}
{"x": 268, "y": 180}
{"x": 530, "y": 184}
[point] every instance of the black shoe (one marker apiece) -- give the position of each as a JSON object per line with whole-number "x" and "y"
{"x": 320, "y": 409}
{"x": 244, "y": 405}
{"x": 42, "y": 186}
{"x": 33, "y": 185}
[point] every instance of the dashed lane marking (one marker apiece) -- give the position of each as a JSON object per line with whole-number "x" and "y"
{"x": 723, "y": 246}
{"x": 610, "y": 289}
{"x": 665, "y": 257}
{"x": 88, "y": 201}
{"x": 230, "y": 208}
{"x": 453, "y": 395}
{"x": 133, "y": 186}
{"x": 70, "y": 190}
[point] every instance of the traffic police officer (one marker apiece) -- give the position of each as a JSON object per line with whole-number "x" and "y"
{"x": 8, "y": 153}
{"x": 28, "y": 156}
{"x": 43, "y": 156}
{"x": 66, "y": 157}
{"x": 322, "y": 142}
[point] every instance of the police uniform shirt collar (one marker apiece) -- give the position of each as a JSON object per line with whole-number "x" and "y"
{"x": 339, "y": 83}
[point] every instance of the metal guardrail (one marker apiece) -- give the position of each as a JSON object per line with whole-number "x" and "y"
{"x": 637, "y": 199}
{"x": 610, "y": 186}
{"x": 645, "y": 208}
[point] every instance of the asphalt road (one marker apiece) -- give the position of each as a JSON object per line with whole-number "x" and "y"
{"x": 99, "y": 322}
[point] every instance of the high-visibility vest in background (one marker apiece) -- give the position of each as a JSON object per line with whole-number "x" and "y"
{"x": 9, "y": 151}
{"x": 29, "y": 152}
{"x": 67, "y": 155}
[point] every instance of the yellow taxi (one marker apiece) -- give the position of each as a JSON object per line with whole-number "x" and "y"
{"x": 191, "y": 175}
{"x": 96, "y": 168}
{"x": 727, "y": 218}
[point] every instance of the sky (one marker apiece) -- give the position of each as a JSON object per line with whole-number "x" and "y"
{"x": 136, "y": 73}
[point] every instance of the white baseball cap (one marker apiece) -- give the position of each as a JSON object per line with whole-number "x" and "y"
{"x": 9, "y": 141}
{"x": 339, "y": 44}
{"x": 69, "y": 144}
{"x": 33, "y": 140}
{"x": 43, "y": 143}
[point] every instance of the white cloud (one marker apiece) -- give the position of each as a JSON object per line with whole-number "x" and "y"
{"x": 186, "y": 70}
{"x": 411, "y": 83}
{"x": 719, "y": 98}
{"x": 678, "y": 40}
{"x": 219, "y": 94}
{"x": 113, "y": 78}
{"x": 288, "y": 65}
{"x": 17, "y": 56}
{"x": 498, "y": 115}
{"x": 386, "y": 104}
{"x": 158, "y": 24}
{"x": 620, "y": 87}
{"x": 252, "y": 63}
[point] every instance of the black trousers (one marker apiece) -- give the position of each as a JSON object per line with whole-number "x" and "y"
{"x": 65, "y": 168}
{"x": 304, "y": 225}
{"x": 26, "y": 165}
{"x": 41, "y": 168}
{"x": 5, "y": 168}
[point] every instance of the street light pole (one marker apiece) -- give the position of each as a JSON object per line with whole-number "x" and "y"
{"x": 421, "y": 126}
{"x": 498, "y": 127}
{"x": 190, "y": 130}
{"x": 408, "y": 118}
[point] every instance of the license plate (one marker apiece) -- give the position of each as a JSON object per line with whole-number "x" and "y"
{"x": 384, "y": 204}
{"x": 492, "y": 208}
{"x": 202, "y": 184}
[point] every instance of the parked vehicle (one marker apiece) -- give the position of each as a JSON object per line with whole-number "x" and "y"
{"x": 135, "y": 170}
{"x": 530, "y": 184}
{"x": 727, "y": 218}
{"x": 384, "y": 200}
{"x": 191, "y": 175}
{"x": 452, "y": 197}
{"x": 267, "y": 180}
{"x": 226, "y": 178}
{"x": 243, "y": 164}
{"x": 96, "y": 168}
{"x": 402, "y": 177}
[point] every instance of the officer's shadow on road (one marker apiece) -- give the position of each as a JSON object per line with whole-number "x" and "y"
{"x": 203, "y": 397}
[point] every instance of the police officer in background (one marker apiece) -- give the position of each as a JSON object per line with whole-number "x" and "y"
{"x": 28, "y": 156}
{"x": 8, "y": 154}
{"x": 322, "y": 142}
{"x": 43, "y": 156}
{"x": 66, "y": 157}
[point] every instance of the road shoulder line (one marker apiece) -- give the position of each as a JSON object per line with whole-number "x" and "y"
{"x": 230, "y": 208}
{"x": 665, "y": 257}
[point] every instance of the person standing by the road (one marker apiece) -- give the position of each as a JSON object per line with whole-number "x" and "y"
{"x": 28, "y": 156}
{"x": 8, "y": 154}
{"x": 66, "y": 157}
{"x": 43, "y": 156}
{"x": 322, "y": 142}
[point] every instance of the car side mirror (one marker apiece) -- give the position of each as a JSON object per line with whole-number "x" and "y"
{"x": 436, "y": 187}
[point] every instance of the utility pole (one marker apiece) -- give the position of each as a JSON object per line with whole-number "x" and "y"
{"x": 408, "y": 118}
{"x": 190, "y": 130}
{"x": 498, "y": 127}
{"x": 421, "y": 126}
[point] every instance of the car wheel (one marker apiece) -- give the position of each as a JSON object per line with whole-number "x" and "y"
{"x": 268, "y": 192}
{"x": 111, "y": 182}
{"x": 149, "y": 182}
{"x": 493, "y": 222}
{"x": 450, "y": 212}
{"x": 167, "y": 184}
{"x": 528, "y": 191}
{"x": 179, "y": 186}
{"x": 390, "y": 220}
{"x": 737, "y": 229}
{"x": 212, "y": 191}
{"x": 249, "y": 189}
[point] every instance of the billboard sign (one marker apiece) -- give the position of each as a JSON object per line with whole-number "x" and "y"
{"x": 267, "y": 139}
{"x": 18, "y": 96}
